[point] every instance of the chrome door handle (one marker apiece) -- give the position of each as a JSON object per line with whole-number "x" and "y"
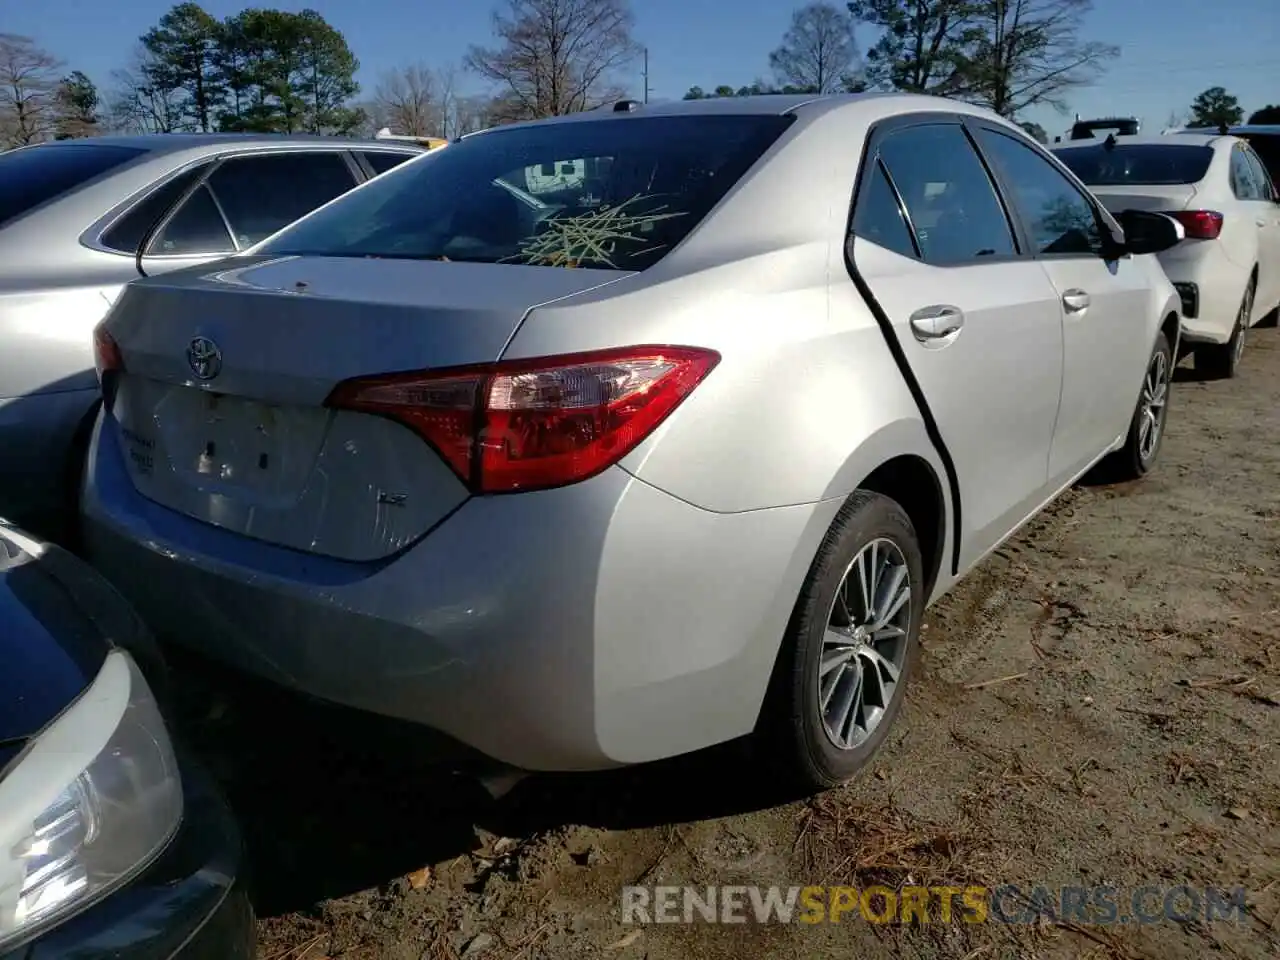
{"x": 936, "y": 323}
{"x": 1261, "y": 222}
{"x": 1075, "y": 301}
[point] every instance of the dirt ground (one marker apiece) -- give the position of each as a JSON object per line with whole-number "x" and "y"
{"x": 1099, "y": 703}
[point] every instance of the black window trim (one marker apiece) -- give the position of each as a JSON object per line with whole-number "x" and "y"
{"x": 92, "y": 237}
{"x": 903, "y": 212}
{"x": 876, "y": 136}
{"x": 1101, "y": 218}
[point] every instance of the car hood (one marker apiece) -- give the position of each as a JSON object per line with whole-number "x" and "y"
{"x": 51, "y": 650}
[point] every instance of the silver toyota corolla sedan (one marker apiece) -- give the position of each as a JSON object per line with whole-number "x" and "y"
{"x": 80, "y": 218}
{"x": 603, "y": 439}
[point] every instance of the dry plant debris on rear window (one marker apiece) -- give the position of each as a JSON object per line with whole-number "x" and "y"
{"x": 592, "y": 237}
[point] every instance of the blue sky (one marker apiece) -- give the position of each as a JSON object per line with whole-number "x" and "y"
{"x": 1172, "y": 49}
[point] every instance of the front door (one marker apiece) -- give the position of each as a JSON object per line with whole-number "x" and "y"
{"x": 1105, "y": 304}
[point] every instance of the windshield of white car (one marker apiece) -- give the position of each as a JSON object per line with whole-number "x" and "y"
{"x": 1154, "y": 164}
{"x": 31, "y": 176}
{"x": 613, "y": 194}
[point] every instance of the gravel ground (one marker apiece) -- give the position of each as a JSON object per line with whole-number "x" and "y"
{"x": 1099, "y": 703}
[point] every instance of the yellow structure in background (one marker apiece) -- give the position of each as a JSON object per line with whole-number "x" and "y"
{"x": 431, "y": 143}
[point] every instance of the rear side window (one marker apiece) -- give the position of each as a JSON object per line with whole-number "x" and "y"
{"x": 879, "y": 217}
{"x": 1260, "y": 175}
{"x": 131, "y": 229}
{"x": 952, "y": 203}
{"x": 1147, "y": 163}
{"x": 1060, "y": 219}
{"x": 263, "y": 193}
{"x": 611, "y": 193}
{"x": 1243, "y": 183}
{"x": 382, "y": 161}
{"x": 1267, "y": 147}
{"x": 196, "y": 229}
{"x": 35, "y": 175}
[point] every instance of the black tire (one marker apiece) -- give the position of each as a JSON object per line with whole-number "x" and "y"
{"x": 791, "y": 730}
{"x": 1271, "y": 320}
{"x": 1136, "y": 458}
{"x": 1221, "y": 361}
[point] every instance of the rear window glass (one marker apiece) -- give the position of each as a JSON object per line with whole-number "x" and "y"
{"x": 615, "y": 193}
{"x": 1153, "y": 163}
{"x": 34, "y": 175}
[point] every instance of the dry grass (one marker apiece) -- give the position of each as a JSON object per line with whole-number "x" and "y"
{"x": 860, "y": 845}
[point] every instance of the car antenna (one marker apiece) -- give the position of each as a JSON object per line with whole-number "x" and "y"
{"x": 1110, "y": 142}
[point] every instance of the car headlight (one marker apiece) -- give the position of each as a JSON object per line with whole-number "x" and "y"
{"x": 90, "y": 803}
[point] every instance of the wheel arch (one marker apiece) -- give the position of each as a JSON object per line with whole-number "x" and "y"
{"x": 914, "y": 485}
{"x": 1171, "y": 327}
{"x": 900, "y": 462}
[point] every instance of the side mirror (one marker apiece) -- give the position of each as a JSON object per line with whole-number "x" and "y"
{"x": 1146, "y": 232}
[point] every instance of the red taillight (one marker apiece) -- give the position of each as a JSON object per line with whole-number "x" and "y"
{"x": 530, "y": 424}
{"x": 106, "y": 352}
{"x": 1199, "y": 224}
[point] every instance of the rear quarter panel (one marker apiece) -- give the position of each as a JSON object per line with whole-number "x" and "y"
{"x": 807, "y": 399}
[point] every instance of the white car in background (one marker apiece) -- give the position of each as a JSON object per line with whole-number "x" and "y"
{"x": 1227, "y": 270}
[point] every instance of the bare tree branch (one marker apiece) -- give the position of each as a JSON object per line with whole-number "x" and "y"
{"x": 1028, "y": 52}
{"x": 555, "y": 56}
{"x": 28, "y": 91}
{"x": 137, "y": 105}
{"x": 817, "y": 51}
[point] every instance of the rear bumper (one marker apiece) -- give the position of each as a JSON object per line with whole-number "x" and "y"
{"x": 191, "y": 904}
{"x": 580, "y": 628}
{"x": 1218, "y": 283}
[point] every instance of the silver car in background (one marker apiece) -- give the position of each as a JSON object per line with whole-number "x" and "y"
{"x": 79, "y": 219}
{"x": 604, "y": 439}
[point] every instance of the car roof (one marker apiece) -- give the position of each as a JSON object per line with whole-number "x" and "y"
{"x": 161, "y": 143}
{"x": 772, "y": 104}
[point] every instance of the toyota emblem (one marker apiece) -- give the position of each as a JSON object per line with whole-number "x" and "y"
{"x": 204, "y": 357}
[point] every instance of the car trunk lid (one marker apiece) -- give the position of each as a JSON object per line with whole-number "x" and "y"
{"x": 1154, "y": 198}
{"x": 221, "y": 407}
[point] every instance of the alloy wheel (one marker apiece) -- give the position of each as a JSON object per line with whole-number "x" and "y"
{"x": 1242, "y": 324}
{"x": 864, "y": 649}
{"x": 1153, "y": 405}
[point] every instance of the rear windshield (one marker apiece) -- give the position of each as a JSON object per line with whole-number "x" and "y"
{"x": 34, "y": 175}
{"x": 1267, "y": 147}
{"x": 616, "y": 193}
{"x": 1152, "y": 163}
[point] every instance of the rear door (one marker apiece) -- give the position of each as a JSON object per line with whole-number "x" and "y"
{"x": 977, "y": 322}
{"x": 1266, "y": 210}
{"x": 1106, "y": 334}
